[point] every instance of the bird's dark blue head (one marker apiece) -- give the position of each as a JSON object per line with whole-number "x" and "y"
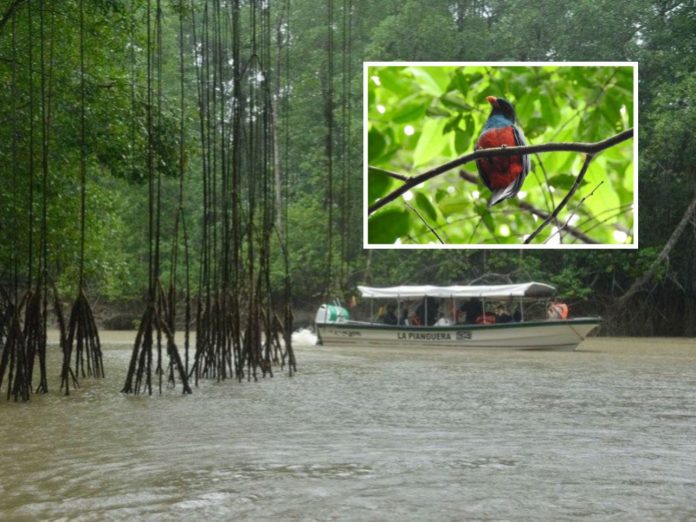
{"x": 501, "y": 107}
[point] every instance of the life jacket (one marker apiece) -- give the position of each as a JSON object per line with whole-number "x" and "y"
{"x": 485, "y": 319}
{"x": 564, "y": 310}
{"x": 559, "y": 310}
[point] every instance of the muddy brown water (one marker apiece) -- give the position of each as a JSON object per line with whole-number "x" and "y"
{"x": 606, "y": 432}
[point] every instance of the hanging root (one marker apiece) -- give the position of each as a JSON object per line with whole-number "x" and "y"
{"x": 13, "y": 359}
{"x": 287, "y": 333}
{"x": 35, "y": 337}
{"x": 83, "y": 336}
{"x": 216, "y": 340}
{"x": 140, "y": 369}
{"x": 66, "y": 372}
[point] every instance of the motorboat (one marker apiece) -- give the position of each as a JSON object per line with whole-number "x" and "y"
{"x": 456, "y": 316}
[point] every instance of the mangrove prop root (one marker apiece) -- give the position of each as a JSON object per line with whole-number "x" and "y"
{"x": 35, "y": 338}
{"x": 140, "y": 370}
{"x": 83, "y": 336}
{"x": 216, "y": 341}
{"x": 13, "y": 359}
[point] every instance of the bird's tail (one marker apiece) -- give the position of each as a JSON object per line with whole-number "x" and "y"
{"x": 499, "y": 195}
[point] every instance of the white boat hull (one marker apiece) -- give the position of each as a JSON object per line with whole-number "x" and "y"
{"x": 533, "y": 335}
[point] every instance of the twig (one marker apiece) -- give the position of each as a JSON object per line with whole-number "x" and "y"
{"x": 564, "y": 201}
{"x": 546, "y": 179}
{"x": 426, "y": 223}
{"x": 565, "y": 225}
{"x": 594, "y": 220}
{"x": 389, "y": 173}
{"x": 588, "y": 148}
{"x": 601, "y": 222}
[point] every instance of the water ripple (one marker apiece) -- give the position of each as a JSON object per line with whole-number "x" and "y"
{"x": 606, "y": 432}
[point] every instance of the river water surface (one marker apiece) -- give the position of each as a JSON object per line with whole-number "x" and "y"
{"x": 608, "y": 431}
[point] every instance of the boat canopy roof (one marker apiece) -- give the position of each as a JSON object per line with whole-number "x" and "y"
{"x": 501, "y": 292}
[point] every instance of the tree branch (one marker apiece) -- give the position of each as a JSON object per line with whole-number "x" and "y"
{"x": 389, "y": 173}
{"x": 661, "y": 258}
{"x": 588, "y": 148}
{"x": 471, "y": 178}
{"x": 564, "y": 201}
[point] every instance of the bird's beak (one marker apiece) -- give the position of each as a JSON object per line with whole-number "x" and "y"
{"x": 492, "y": 100}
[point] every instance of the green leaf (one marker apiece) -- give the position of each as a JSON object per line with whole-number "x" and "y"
{"x": 385, "y": 227}
{"x": 432, "y": 80}
{"x": 391, "y": 79}
{"x": 425, "y": 206}
{"x": 430, "y": 142}
{"x": 435, "y": 111}
{"x": 378, "y": 184}
{"x": 564, "y": 181}
{"x": 456, "y": 101}
{"x": 488, "y": 221}
{"x": 455, "y": 203}
{"x": 441, "y": 193}
{"x": 425, "y": 81}
{"x": 547, "y": 111}
{"x": 375, "y": 144}
{"x": 452, "y": 124}
{"x": 462, "y": 140}
{"x": 410, "y": 111}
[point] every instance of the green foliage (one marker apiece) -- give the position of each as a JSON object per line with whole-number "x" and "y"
{"x": 115, "y": 110}
{"x": 420, "y": 117}
{"x": 447, "y": 107}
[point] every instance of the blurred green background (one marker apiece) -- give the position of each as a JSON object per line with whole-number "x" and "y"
{"x": 422, "y": 116}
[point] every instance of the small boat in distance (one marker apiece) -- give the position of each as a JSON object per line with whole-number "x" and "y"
{"x": 414, "y": 317}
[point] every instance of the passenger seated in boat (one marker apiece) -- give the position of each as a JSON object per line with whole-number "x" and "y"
{"x": 390, "y": 316}
{"x": 473, "y": 309}
{"x": 517, "y": 315}
{"x": 443, "y": 321}
{"x": 403, "y": 320}
{"x": 428, "y": 315}
{"x": 501, "y": 315}
{"x": 557, "y": 310}
{"x": 487, "y": 318}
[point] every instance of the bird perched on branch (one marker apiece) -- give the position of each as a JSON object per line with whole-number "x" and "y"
{"x": 503, "y": 175}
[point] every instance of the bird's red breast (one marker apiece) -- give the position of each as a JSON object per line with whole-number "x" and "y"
{"x": 499, "y": 172}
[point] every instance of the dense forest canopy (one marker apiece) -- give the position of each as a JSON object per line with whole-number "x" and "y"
{"x": 320, "y": 53}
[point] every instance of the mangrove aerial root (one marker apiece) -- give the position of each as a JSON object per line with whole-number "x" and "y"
{"x": 35, "y": 337}
{"x": 83, "y": 340}
{"x": 13, "y": 360}
{"x": 148, "y": 345}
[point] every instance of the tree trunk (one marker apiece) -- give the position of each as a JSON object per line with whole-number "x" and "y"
{"x": 662, "y": 258}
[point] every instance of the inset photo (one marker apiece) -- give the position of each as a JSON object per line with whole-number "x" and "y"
{"x": 501, "y": 155}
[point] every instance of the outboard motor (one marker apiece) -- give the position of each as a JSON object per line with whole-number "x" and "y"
{"x": 328, "y": 314}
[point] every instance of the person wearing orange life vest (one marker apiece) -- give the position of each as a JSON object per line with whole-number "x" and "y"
{"x": 557, "y": 310}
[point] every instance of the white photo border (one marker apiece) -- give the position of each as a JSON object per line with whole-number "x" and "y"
{"x": 507, "y": 246}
